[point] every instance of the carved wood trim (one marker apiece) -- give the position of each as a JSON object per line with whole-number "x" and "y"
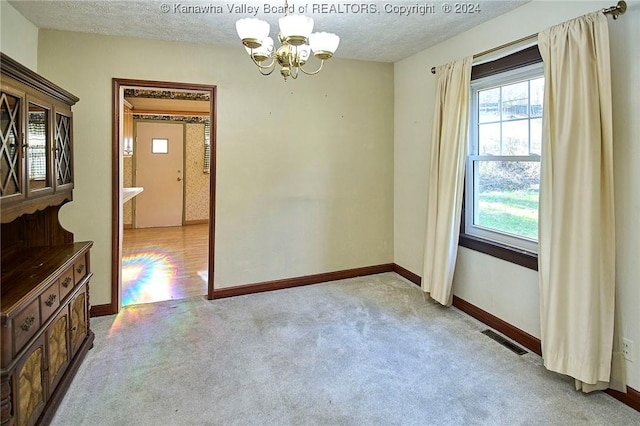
{"x": 19, "y": 72}
{"x": 30, "y": 206}
{"x": 41, "y": 228}
{"x": 5, "y": 401}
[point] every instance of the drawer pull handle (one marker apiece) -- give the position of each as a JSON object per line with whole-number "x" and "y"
{"x": 66, "y": 282}
{"x": 74, "y": 329}
{"x": 28, "y": 323}
{"x": 79, "y": 269}
{"x": 50, "y": 301}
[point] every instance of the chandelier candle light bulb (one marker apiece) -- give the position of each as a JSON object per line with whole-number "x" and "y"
{"x": 324, "y": 44}
{"x": 296, "y": 39}
{"x": 252, "y": 31}
{"x": 295, "y": 29}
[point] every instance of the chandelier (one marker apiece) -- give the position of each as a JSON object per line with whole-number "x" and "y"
{"x": 296, "y": 41}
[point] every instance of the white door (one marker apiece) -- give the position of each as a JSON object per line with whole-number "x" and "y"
{"x": 159, "y": 162}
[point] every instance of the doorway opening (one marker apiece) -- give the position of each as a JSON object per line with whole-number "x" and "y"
{"x": 162, "y": 248}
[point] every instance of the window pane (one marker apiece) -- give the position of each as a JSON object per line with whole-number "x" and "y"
{"x": 515, "y": 137}
{"x": 537, "y": 96}
{"x": 536, "y": 136}
{"x": 489, "y": 139}
{"x": 515, "y": 101}
{"x": 38, "y": 154}
{"x": 159, "y": 146}
{"x": 507, "y": 197}
{"x": 489, "y": 105}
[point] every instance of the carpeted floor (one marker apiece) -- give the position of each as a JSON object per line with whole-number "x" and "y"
{"x": 367, "y": 350}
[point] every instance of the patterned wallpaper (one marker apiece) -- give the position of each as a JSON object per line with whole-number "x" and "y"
{"x": 166, "y": 94}
{"x": 196, "y": 181}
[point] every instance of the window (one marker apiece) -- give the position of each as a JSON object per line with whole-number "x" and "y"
{"x": 500, "y": 214}
{"x": 37, "y": 154}
{"x": 207, "y": 147}
{"x": 159, "y": 146}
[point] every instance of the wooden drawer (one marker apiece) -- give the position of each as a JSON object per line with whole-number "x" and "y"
{"x": 66, "y": 283}
{"x": 25, "y": 325}
{"x": 80, "y": 269}
{"x": 49, "y": 301}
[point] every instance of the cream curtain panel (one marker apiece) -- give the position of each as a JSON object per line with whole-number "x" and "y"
{"x": 446, "y": 177}
{"x": 576, "y": 227}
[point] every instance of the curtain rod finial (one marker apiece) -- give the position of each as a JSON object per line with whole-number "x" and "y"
{"x": 617, "y": 10}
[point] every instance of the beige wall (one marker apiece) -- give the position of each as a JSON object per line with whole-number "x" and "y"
{"x": 501, "y": 288}
{"x": 18, "y": 37}
{"x": 304, "y": 168}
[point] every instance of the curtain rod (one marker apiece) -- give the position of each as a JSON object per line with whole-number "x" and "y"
{"x": 614, "y": 11}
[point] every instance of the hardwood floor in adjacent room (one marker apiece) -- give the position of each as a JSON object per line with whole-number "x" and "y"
{"x": 164, "y": 263}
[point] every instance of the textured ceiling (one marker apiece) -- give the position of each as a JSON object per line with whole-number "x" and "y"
{"x": 384, "y": 31}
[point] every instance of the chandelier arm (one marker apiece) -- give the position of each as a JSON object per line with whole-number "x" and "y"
{"x": 294, "y": 74}
{"x": 312, "y": 72}
{"x": 266, "y": 72}
{"x": 290, "y": 58}
{"x": 271, "y": 66}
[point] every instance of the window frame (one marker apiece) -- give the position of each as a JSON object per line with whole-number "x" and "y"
{"x": 523, "y": 65}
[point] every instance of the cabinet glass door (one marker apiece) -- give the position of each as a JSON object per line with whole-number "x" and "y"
{"x": 64, "y": 164}
{"x": 10, "y": 150}
{"x": 38, "y": 151}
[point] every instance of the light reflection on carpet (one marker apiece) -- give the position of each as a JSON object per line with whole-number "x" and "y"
{"x": 147, "y": 277}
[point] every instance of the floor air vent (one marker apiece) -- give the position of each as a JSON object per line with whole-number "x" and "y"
{"x": 504, "y": 342}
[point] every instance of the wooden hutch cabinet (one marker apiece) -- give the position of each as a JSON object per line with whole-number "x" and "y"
{"x": 36, "y": 163}
{"x": 44, "y": 294}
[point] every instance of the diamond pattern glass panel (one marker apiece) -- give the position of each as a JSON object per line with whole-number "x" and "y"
{"x": 10, "y": 148}
{"x": 63, "y": 148}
